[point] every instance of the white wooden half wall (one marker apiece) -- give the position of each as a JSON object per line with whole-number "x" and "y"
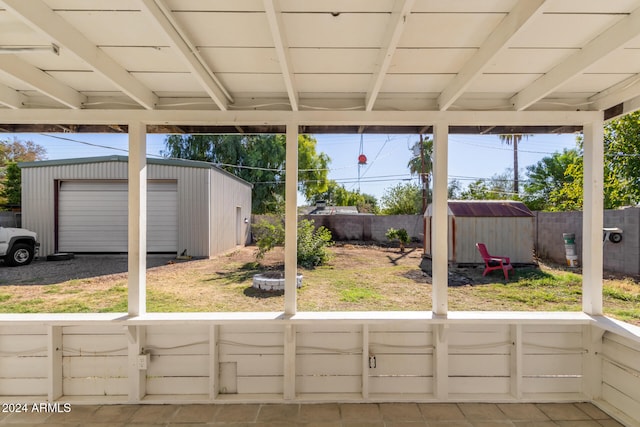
{"x": 316, "y": 357}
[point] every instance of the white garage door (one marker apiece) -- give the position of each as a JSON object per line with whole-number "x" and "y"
{"x": 92, "y": 216}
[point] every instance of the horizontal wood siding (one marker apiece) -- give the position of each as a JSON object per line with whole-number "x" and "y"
{"x": 94, "y": 361}
{"x": 479, "y": 358}
{"x": 403, "y": 360}
{"x": 179, "y": 360}
{"x": 329, "y": 359}
{"x": 356, "y": 359}
{"x": 621, "y": 374}
{"x": 23, "y": 361}
{"x": 258, "y": 356}
{"x": 552, "y": 359}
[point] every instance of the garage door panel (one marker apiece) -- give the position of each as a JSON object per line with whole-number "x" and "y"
{"x": 92, "y": 216}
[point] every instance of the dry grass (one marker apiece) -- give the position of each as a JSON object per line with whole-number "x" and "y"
{"x": 358, "y": 278}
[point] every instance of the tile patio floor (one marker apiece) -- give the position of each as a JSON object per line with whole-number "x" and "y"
{"x": 324, "y": 415}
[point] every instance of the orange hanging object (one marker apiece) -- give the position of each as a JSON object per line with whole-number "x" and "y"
{"x": 362, "y": 159}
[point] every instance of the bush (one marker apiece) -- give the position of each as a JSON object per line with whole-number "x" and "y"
{"x": 401, "y": 235}
{"x": 268, "y": 233}
{"x": 312, "y": 243}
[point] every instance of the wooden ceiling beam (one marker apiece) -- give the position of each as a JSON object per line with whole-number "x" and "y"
{"x": 397, "y": 24}
{"x": 40, "y": 81}
{"x": 11, "y": 98}
{"x": 45, "y": 21}
{"x": 160, "y": 16}
{"x": 609, "y": 40}
{"x": 282, "y": 51}
{"x": 522, "y": 14}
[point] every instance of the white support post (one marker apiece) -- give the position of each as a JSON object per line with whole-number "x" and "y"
{"x": 54, "y": 358}
{"x": 289, "y": 362}
{"x": 137, "y": 219}
{"x": 291, "y": 221}
{"x": 441, "y": 362}
{"x": 440, "y": 220}
{"x": 214, "y": 389}
{"x": 592, "y": 218}
{"x": 516, "y": 361}
{"x": 592, "y": 362}
{"x": 365, "y": 361}
{"x": 136, "y": 337}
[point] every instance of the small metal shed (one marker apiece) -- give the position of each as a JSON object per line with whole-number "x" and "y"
{"x": 505, "y": 226}
{"x": 80, "y": 205}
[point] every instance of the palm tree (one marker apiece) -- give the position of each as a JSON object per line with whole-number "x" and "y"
{"x": 420, "y": 164}
{"x": 514, "y": 139}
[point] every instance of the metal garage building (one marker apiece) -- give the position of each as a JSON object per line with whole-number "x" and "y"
{"x": 80, "y": 205}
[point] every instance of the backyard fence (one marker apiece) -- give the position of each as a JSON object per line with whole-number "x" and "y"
{"x": 622, "y": 257}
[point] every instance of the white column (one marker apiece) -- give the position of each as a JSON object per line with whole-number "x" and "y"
{"x": 54, "y": 361}
{"x": 137, "y": 375}
{"x": 439, "y": 219}
{"x": 289, "y": 359}
{"x": 592, "y": 218}
{"x": 137, "y": 218}
{"x": 291, "y": 221}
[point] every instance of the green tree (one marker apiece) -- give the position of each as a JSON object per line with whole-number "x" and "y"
{"x": 621, "y": 183}
{"x": 498, "y": 187}
{"x": 402, "y": 199}
{"x": 11, "y": 192}
{"x": 514, "y": 140}
{"x": 622, "y": 161}
{"x": 20, "y": 151}
{"x": 421, "y": 164}
{"x": 570, "y": 197}
{"x": 454, "y": 189}
{"x": 337, "y": 195}
{"x": 548, "y": 177}
{"x": 12, "y": 152}
{"x": 258, "y": 159}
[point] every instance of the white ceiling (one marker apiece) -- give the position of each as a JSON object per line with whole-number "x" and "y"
{"x": 333, "y": 55}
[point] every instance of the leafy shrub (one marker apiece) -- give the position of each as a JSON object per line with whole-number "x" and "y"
{"x": 269, "y": 233}
{"x": 401, "y": 235}
{"x": 312, "y": 243}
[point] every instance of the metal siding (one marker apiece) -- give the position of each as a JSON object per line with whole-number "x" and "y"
{"x": 38, "y": 194}
{"x": 38, "y": 199}
{"x": 227, "y": 194}
{"x": 92, "y": 216}
{"x": 192, "y": 206}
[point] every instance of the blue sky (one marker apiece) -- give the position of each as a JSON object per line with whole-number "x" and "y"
{"x": 470, "y": 156}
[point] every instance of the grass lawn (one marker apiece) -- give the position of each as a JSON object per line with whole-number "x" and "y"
{"x": 358, "y": 278}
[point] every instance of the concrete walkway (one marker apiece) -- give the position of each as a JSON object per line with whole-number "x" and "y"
{"x": 322, "y": 415}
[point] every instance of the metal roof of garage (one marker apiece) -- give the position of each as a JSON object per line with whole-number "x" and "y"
{"x": 313, "y": 56}
{"x": 184, "y": 163}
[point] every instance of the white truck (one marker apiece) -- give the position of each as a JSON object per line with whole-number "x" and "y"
{"x": 18, "y": 246}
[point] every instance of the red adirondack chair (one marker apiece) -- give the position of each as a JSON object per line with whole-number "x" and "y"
{"x": 493, "y": 262}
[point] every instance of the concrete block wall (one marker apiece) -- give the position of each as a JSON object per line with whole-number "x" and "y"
{"x": 550, "y": 226}
{"x": 364, "y": 227}
{"x": 368, "y": 227}
{"x": 623, "y": 257}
